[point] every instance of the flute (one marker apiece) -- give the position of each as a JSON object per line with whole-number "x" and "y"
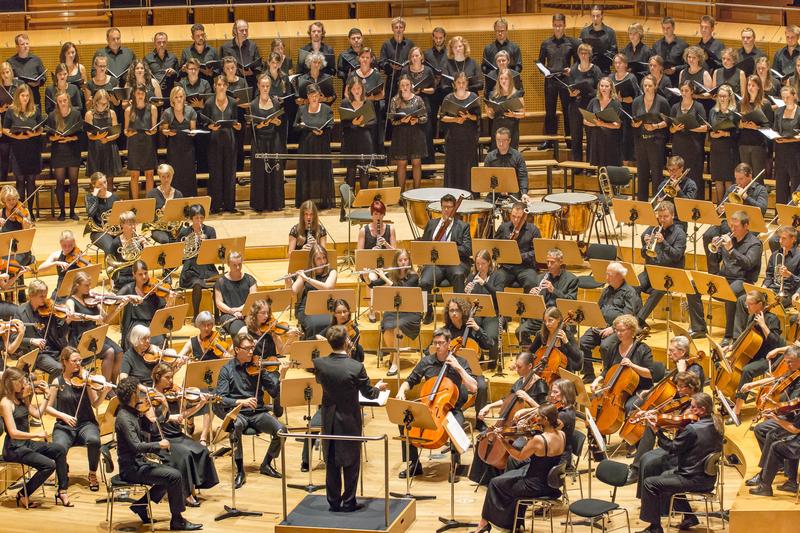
{"x": 306, "y": 271}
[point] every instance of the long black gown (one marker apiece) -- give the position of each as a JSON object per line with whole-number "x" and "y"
{"x": 266, "y": 176}
{"x": 605, "y": 144}
{"x": 314, "y": 177}
{"x": 461, "y": 142}
{"x": 180, "y": 150}
{"x": 221, "y": 157}
{"x": 356, "y": 139}
{"x": 689, "y": 145}
{"x": 724, "y": 154}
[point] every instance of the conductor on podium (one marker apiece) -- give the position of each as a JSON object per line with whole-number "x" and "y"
{"x": 342, "y": 378}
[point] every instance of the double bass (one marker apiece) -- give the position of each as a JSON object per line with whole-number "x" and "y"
{"x": 608, "y": 403}
{"x": 440, "y": 396}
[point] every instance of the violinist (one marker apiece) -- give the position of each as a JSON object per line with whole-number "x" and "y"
{"x": 67, "y": 258}
{"x": 647, "y": 458}
{"x": 458, "y": 371}
{"x": 13, "y": 217}
{"x": 627, "y": 352}
{"x": 83, "y": 314}
{"x": 783, "y": 452}
{"x": 688, "y": 453}
{"x": 73, "y": 400}
{"x": 230, "y": 294}
{"x": 238, "y": 386}
{"x": 190, "y": 458}
{"x": 768, "y": 326}
{"x": 556, "y": 282}
{"x": 141, "y": 356}
{"x": 165, "y": 191}
{"x": 774, "y": 430}
{"x": 194, "y": 276}
{"x": 617, "y": 299}
{"x": 409, "y": 323}
{"x": 12, "y": 333}
{"x": 21, "y": 445}
{"x": 271, "y": 335}
{"x": 485, "y": 280}
{"x": 99, "y": 201}
{"x": 146, "y": 297}
{"x": 318, "y": 276}
{"x": 565, "y": 342}
{"x": 134, "y": 468}
{"x": 544, "y": 451}
{"x": 522, "y": 231}
{"x": 447, "y": 228}
{"x": 48, "y": 334}
{"x": 563, "y": 395}
{"x": 665, "y": 246}
{"x": 126, "y": 247}
{"x": 341, "y": 316}
{"x": 309, "y": 230}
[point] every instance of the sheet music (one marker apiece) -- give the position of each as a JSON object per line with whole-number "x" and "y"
{"x": 457, "y": 435}
{"x": 380, "y": 401}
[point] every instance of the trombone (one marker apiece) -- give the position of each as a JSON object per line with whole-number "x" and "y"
{"x": 738, "y": 194}
{"x": 668, "y": 189}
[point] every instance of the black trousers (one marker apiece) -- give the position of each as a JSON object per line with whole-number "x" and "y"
{"x": 696, "y": 307}
{"x": 650, "y": 160}
{"x": 750, "y": 371}
{"x": 341, "y": 481}
{"x": 657, "y": 491}
{"x": 222, "y": 174}
{"x": 232, "y": 325}
{"x": 525, "y": 277}
{"x": 86, "y": 434}
{"x": 644, "y": 445}
{"x": 162, "y": 479}
{"x": 45, "y": 458}
{"x": 786, "y": 449}
{"x": 455, "y": 274}
{"x": 263, "y": 423}
{"x": 553, "y": 92}
{"x": 767, "y": 433}
{"x": 588, "y": 341}
{"x": 48, "y": 363}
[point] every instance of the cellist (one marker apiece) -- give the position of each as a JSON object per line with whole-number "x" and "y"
{"x": 565, "y": 339}
{"x": 429, "y": 366}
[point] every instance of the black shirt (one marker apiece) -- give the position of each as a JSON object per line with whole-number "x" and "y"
{"x": 558, "y": 54}
{"x": 713, "y": 49}
{"x": 672, "y": 251}
{"x": 429, "y": 367}
{"x": 671, "y": 53}
{"x": 743, "y": 261}
{"x": 603, "y": 42}
{"x": 491, "y": 49}
{"x": 244, "y": 55}
{"x": 524, "y": 240}
{"x": 791, "y": 260}
{"x": 234, "y": 383}
{"x": 134, "y": 365}
{"x": 234, "y": 293}
{"x": 118, "y": 63}
{"x": 511, "y": 159}
{"x": 621, "y": 301}
{"x": 131, "y": 445}
{"x": 783, "y": 61}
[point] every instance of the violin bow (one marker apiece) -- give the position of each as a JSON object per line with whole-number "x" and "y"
{"x": 36, "y": 401}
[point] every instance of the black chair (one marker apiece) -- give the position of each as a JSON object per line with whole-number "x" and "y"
{"x": 712, "y": 467}
{"x": 607, "y": 252}
{"x": 555, "y": 480}
{"x": 611, "y": 473}
{"x": 576, "y": 442}
{"x": 115, "y": 485}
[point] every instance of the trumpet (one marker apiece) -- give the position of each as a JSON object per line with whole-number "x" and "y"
{"x": 716, "y": 242}
{"x": 650, "y": 249}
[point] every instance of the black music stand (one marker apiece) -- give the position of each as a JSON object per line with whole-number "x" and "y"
{"x": 168, "y": 320}
{"x": 714, "y": 287}
{"x": 299, "y": 391}
{"x": 699, "y": 212}
{"x": 633, "y": 212}
{"x": 669, "y": 280}
{"x": 504, "y": 251}
{"x": 434, "y": 254}
{"x": 397, "y": 300}
{"x": 409, "y": 415}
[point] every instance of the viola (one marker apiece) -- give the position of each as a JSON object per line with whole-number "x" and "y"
{"x": 193, "y": 395}
{"x": 104, "y": 298}
{"x": 168, "y": 355}
{"x": 771, "y": 392}
{"x": 161, "y": 289}
{"x": 95, "y": 381}
{"x": 256, "y": 365}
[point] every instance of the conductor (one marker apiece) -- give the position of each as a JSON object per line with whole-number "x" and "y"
{"x": 342, "y": 378}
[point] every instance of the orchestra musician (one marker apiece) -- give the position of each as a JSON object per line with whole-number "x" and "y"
{"x": 165, "y": 191}
{"x": 556, "y": 283}
{"x": 21, "y": 445}
{"x": 484, "y": 280}
{"x": 125, "y": 248}
{"x": 506, "y": 156}
{"x": 768, "y": 326}
{"x": 48, "y": 334}
{"x": 191, "y": 458}
{"x": 563, "y": 395}
{"x": 447, "y": 228}
{"x": 377, "y": 235}
{"x": 145, "y": 300}
{"x": 58, "y": 258}
{"x": 566, "y": 342}
{"x": 318, "y": 276}
{"x": 236, "y": 385}
{"x": 99, "y": 201}
{"x": 308, "y": 231}
{"x": 193, "y": 275}
{"x": 519, "y": 229}
{"x": 687, "y": 453}
{"x": 230, "y": 294}
{"x": 664, "y": 246}
{"x": 141, "y": 356}
{"x": 342, "y": 316}
{"x": 773, "y": 431}
{"x": 685, "y": 187}
{"x": 72, "y": 402}
{"x": 134, "y": 468}
{"x": 617, "y": 299}
{"x": 14, "y": 217}
{"x": 458, "y": 371}
{"x": 544, "y": 450}
{"x": 12, "y": 338}
{"x": 342, "y": 380}
{"x": 272, "y": 338}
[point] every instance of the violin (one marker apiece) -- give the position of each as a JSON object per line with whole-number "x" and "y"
{"x": 256, "y": 365}
{"x": 49, "y": 308}
{"x": 76, "y": 258}
{"x": 20, "y": 213}
{"x": 95, "y": 381}
{"x": 783, "y": 408}
{"x": 193, "y": 395}
{"x": 105, "y": 298}
{"x": 8, "y": 326}
{"x": 675, "y": 421}
{"x": 161, "y": 289}
{"x": 12, "y": 266}
{"x": 213, "y": 344}
{"x": 273, "y": 326}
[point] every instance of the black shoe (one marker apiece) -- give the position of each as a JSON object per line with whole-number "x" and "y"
{"x": 342, "y": 216}
{"x": 183, "y": 525}
{"x": 140, "y": 510}
{"x": 688, "y": 522}
{"x": 62, "y": 217}
{"x": 304, "y": 467}
{"x": 698, "y": 334}
{"x": 416, "y": 471}
{"x": 754, "y": 481}
{"x": 761, "y": 490}
{"x": 633, "y": 476}
{"x": 73, "y": 216}
{"x": 239, "y": 481}
{"x": 428, "y": 316}
{"x": 192, "y": 503}
{"x": 356, "y": 507}
{"x": 267, "y": 470}
{"x": 725, "y": 342}
{"x": 652, "y": 528}
{"x": 544, "y": 146}
{"x": 788, "y": 486}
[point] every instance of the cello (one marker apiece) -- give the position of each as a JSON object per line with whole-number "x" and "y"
{"x": 550, "y": 359}
{"x": 440, "y": 396}
{"x": 608, "y": 403}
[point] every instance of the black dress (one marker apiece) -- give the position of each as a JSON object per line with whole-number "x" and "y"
{"x": 26, "y": 155}
{"x": 103, "y": 157}
{"x": 461, "y": 141}
{"x": 627, "y": 145}
{"x": 74, "y": 401}
{"x": 311, "y": 324}
{"x": 314, "y": 177}
{"x": 266, "y": 176}
{"x": 605, "y": 144}
{"x": 234, "y": 294}
{"x": 77, "y": 328}
{"x": 690, "y": 146}
{"x": 724, "y": 155}
{"x": 141, "y": 147}
{"x": 240, "y": 83}
{"x": 221, "y": 157}
{"x": 409, "y": 322}
{"x": 74, "y": 97}
{"x": 787, "y": 159}
{"x": 134, "y": 365}
{"x": 301, "y": 239}
{"x": 200, "y": 88}
{"x": 357, "y": 139}
{"x": 141, "y": 313}
{"x": 63, "y": 155}
{"x": 408, "y": 141}
{"x": 180, "y": 150}
{"x": 502, "y": 121}
{"x": 374, "y": 79}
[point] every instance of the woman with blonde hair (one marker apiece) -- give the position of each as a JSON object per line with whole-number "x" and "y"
{"x": 22, "y": 125}
{"x": 605, "y": 140}
{"x": 9, "y": 84}
{"x": 66, "y": 125}
{"x": 179, "y": 118}
{"x": 459, "y": 60}
{"x": 103, "y": 153}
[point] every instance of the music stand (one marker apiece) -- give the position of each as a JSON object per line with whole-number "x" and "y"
{"x": 678, "y": 330}
{"x": 599, "y": 267}
{"x": 583, "y": 312}
{"x": 788, "y": 215}
{"x": 572, "y": 254}
{"x": 459, "y": 443}
{"x": 484, "y": 301}
{"x": 144, "y": 208}
{"x": 168, "y": 320}
{"x": 174, "y": 209}
{"x": 494, "y": 180}
{"x": 19, "y": 241}
{"x": 279, "y": 300}
{"x": 429, "y": 253}
{"x": 408, "y": 414}
{"x": 214, "y": 251}
{"x": 757, "y": 223}
{"x": 582, "y": 397}
{"x": 715, "y": 287}
{"x": 371, "y": 260}
{"x": 203, "y": 374}
{"x": 321, "y": 301}
{"x": 302, "y": 353}
{"x": 91, "y": 342}
{"x": 164, "y": 256}
{"x": 593, "y": 433}
{"x": 296, "y": 392}
{"x": 504, "y": 251}
{"x": 298, "y": 260}
{"x": 521, "y": 306}
{"x": 669, "y": 280}
{"x": 27, "y": 362}
{"x": 726, "y": 403}
{"x": 93, "y": 271}
{"x": 698, "y": 212}
{"x": 397, "y": 300}
{"x": 365, "y": 197}
{"x": 633, "y": 212}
